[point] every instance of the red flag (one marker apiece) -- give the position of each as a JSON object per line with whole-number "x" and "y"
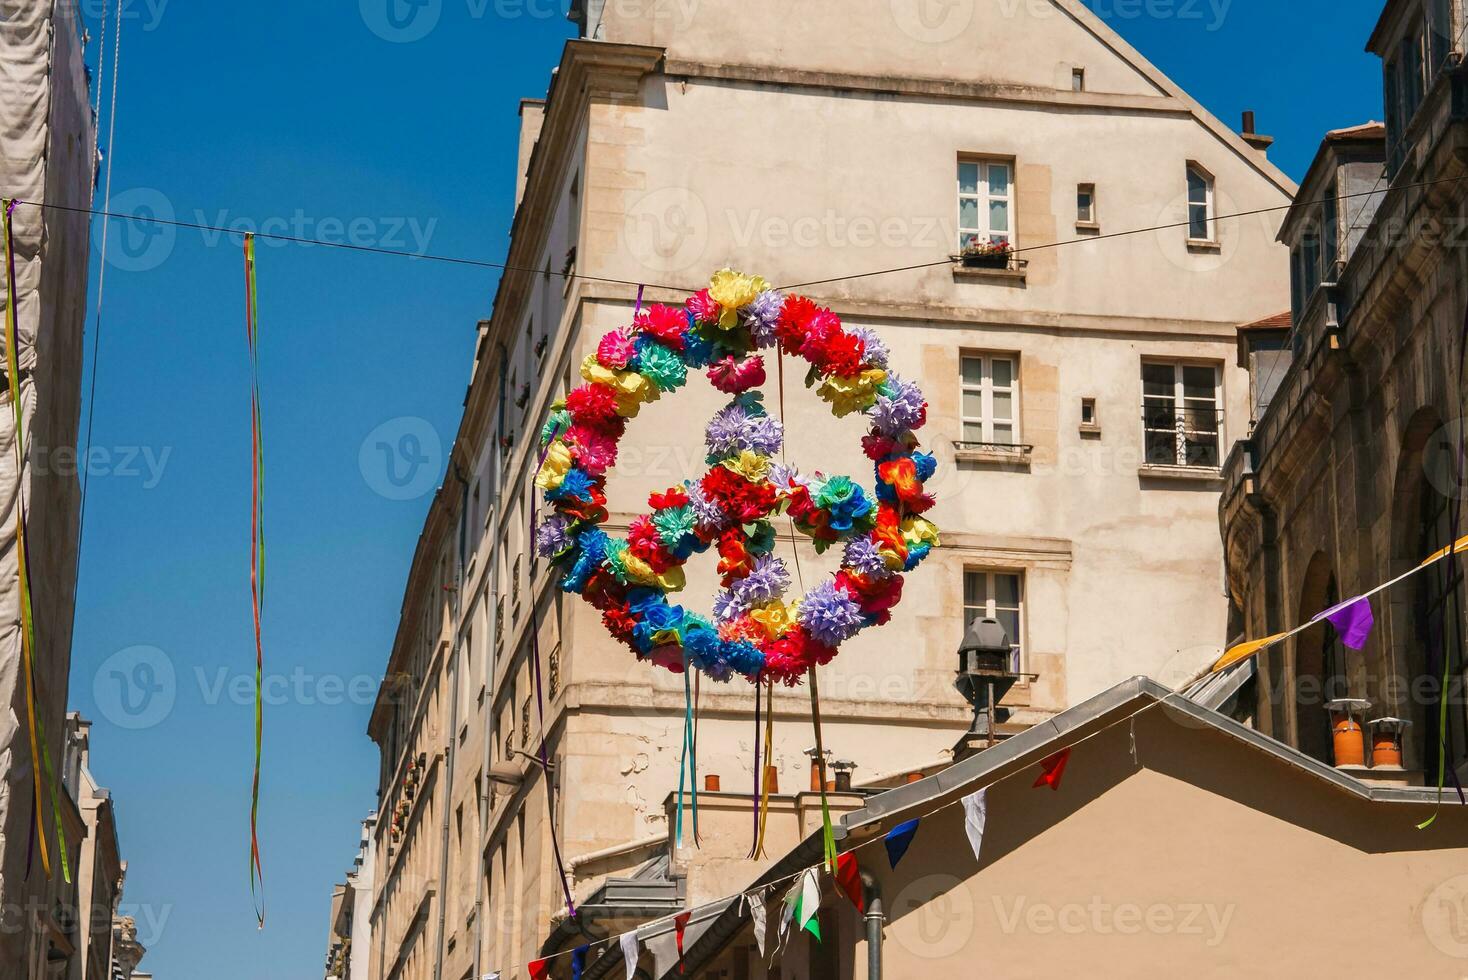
{"x": 1053, "y": 768}
{"x": 680, "y": 922}
{"x": 539, "y": 970}
{"x": 848, "y": 876}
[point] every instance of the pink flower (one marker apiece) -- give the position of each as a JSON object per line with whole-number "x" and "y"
{"x": 616, "y": 349}
{"x": 595, "y": 450}
{"x": 734, "y": 376}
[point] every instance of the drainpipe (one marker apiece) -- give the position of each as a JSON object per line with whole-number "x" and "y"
{"x": 453, "y": 732}
{"x": 876, "y": 917}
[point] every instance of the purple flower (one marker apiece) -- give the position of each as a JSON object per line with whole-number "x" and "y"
{"x": 553, "y": 537}
{"x": 728, "y": 605}
{"x": 766, "y": 581}
{"x": 785, "y": 476}
{"x": 707, "y": 513}
{"x": 742, "y": 424}
{"x": 764, "y": 435}
{"x": 829, "y": 614}
{"x": 863, "y": 558}
{"x": 900, "y": 411}
{"x": 762, "y": 315}
{"x": 876, "y": 351}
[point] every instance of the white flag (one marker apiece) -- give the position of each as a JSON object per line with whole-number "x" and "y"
{"x": 630, "y": 952}
{"x": 976, "y": 815}
{"x": 810, "y": 897}
{"x": 756, "y": 903}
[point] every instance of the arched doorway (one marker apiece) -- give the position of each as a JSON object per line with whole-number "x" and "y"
{"x": 1320, "y": 662}
{"x": 1437, "y": 612}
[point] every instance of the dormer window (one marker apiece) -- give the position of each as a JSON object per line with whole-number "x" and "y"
{"x": 1411, "y": 65}
{"x": 1313, "y": 259}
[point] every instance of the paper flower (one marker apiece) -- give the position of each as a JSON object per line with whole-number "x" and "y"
{"x": 553, "y": 538}
{"x": 876, "y": 351}
{"x": 899, "y": 408}
{"x": 660, "y": 365}
{"x": 829, "y": 614}
{"x": 766, "y": 581}
{"x": 862, "y": 557}
{"x": 734, "y": 376}
{"x": 616, "y": 349}
{"x": 848, "y": 395}
{"x": 733, "y": 291}
{"x": 762, "y": 316}
{"x": 666, "y": 324}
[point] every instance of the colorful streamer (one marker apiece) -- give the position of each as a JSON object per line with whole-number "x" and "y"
{"x": 36, "y": 726}
{"x": 257, "y": 568}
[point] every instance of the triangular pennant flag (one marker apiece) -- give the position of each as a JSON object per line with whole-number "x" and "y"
{"x": 898, "y": 839}
{"x": 759, "y": 919}
{"x": 788, "y": 905}
{"x": 680, "y": 923}
{"x": 976, "y": 815}
{"x": 578, "y": 961}
{"x": 848, "y": 877}
{"x": 1353, "y": 620}
{"x": 539, "y": 969}
{"x": 809, "y": 904}
{"x": 1052, "y": 769}
{"x": 631, "y": 953}
{"x": 1244, "y": 651}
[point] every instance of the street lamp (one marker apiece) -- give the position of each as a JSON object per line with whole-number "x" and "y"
{"x": 984, "y": 674}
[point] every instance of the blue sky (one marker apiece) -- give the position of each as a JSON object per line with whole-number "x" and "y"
{"x": 301, "y": 117}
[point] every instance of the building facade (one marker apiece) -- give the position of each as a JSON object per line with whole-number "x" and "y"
{"x": 1081, "y": 398}
{"x": 1351, "y": 477}
{"x": 47, "y": 156}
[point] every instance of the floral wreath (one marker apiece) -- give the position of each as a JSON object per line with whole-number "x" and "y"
{"x": 753, "y": 631}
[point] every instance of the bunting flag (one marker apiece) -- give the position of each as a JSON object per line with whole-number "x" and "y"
{"x": 1352, "y": 620}
{"x": 1051, "y": 770}
{"x": 898, "y": 840}
{"x": 808, "y": 903}
{"x": 40, "y": 759}
{"x": 789, "y": 904}
{"x": 257, "y": 567}
{"x": 976, "y": 808}
{"x": 680, "y": 923}
{"x": 539, "y": 969}
{"x": 578, "y": 961}
{"x": 631, "y": 953}
{"x": 758, "y": 919}
{"x": 848, "y": 878}
{"x": 1245, "y": 650}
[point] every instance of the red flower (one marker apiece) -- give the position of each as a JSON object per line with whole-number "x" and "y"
{"x": 793, "y": 654}
{"x": 888, "y": 532}
{"x": 737, "y": 497}
{"x": 842, "y": 354}
{"x": 644, "y": 542}
{"x": 795, "y": 317}
{"x": 675, "y": 497}
{"x": 877, "y": 597}
{"x": 734, "y": 558}
{"x": 594, "y": 405}
{"x": 664, "y": 323}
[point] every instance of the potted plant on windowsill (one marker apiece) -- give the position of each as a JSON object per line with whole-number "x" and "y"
{"x": 996, "y": 253}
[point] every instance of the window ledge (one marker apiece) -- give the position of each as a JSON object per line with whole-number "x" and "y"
{"x": 1090, "y": 428}
{"x": 1162, "y": 471}
{"x": 1204, "y": 245}
{"x": 994, "y": 455}
{"x": 1013, "y": 276}
{"x": 1088, "y": 226}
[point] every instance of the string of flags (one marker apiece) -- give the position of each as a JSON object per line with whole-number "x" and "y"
{"x": 1353, "y": 619}
{"x": 802, "y": 899}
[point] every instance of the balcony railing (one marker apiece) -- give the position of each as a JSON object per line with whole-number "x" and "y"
{"x": 1186, "y": 436}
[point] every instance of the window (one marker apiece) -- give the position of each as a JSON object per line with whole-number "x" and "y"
{"x": 1181, "y": 419}
{"x": 1001, "y": 596}
{"x": 1200, "y": 204}
{"x": 1078, "y": 79}
{"x": 1410, "y": 70}
{"x": 1086, "y": 204}
{"x": 985, "y": 193}
{"x": 990, "y": 399}
{"x": 1088, "y": 413}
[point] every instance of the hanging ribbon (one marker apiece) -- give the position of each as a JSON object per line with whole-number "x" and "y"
{"x": 828, "y": 837}
{"x": 764, "y": 800}
{"x": 688, "y": 762}
{"x": 257, "y": 568}
{"x": 550, "y": 789}
{"x": 40, "y": 751}
{"x": 759, "y": 775}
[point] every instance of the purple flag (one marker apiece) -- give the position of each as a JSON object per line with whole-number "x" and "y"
{"x": 1353, "y": 620}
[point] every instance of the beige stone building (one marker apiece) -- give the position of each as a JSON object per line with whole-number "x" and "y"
{"x": 48, "y": 155}
{"x": 1350, "y": 477}
{"x": 1082, "y": 398}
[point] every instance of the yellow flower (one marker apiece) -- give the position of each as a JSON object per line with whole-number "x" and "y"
{"x": 732, "y": 290}
{"x": 630, "y": 388}
{"x": 776, "y": 617}
{"x": 920, "y": 530}
{"x": 750, "y": 465}
{"x": 641, "y": 572}
{"x": 848, "y": 395}
{"x": 553, "y": 471}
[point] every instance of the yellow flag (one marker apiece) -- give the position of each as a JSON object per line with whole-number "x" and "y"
{"x": 1245, "y": 650}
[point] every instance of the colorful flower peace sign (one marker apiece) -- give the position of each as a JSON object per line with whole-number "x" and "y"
{"x": 753, "y": 632}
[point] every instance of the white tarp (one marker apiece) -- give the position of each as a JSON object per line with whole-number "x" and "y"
{"x": 47, "y": 155}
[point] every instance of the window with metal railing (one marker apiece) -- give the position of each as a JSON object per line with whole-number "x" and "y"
{"x": 1182, "y": 422}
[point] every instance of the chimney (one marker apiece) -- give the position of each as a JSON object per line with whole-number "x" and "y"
{"x": 1258, "y": 142}
{"x": 532, "y": 117}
